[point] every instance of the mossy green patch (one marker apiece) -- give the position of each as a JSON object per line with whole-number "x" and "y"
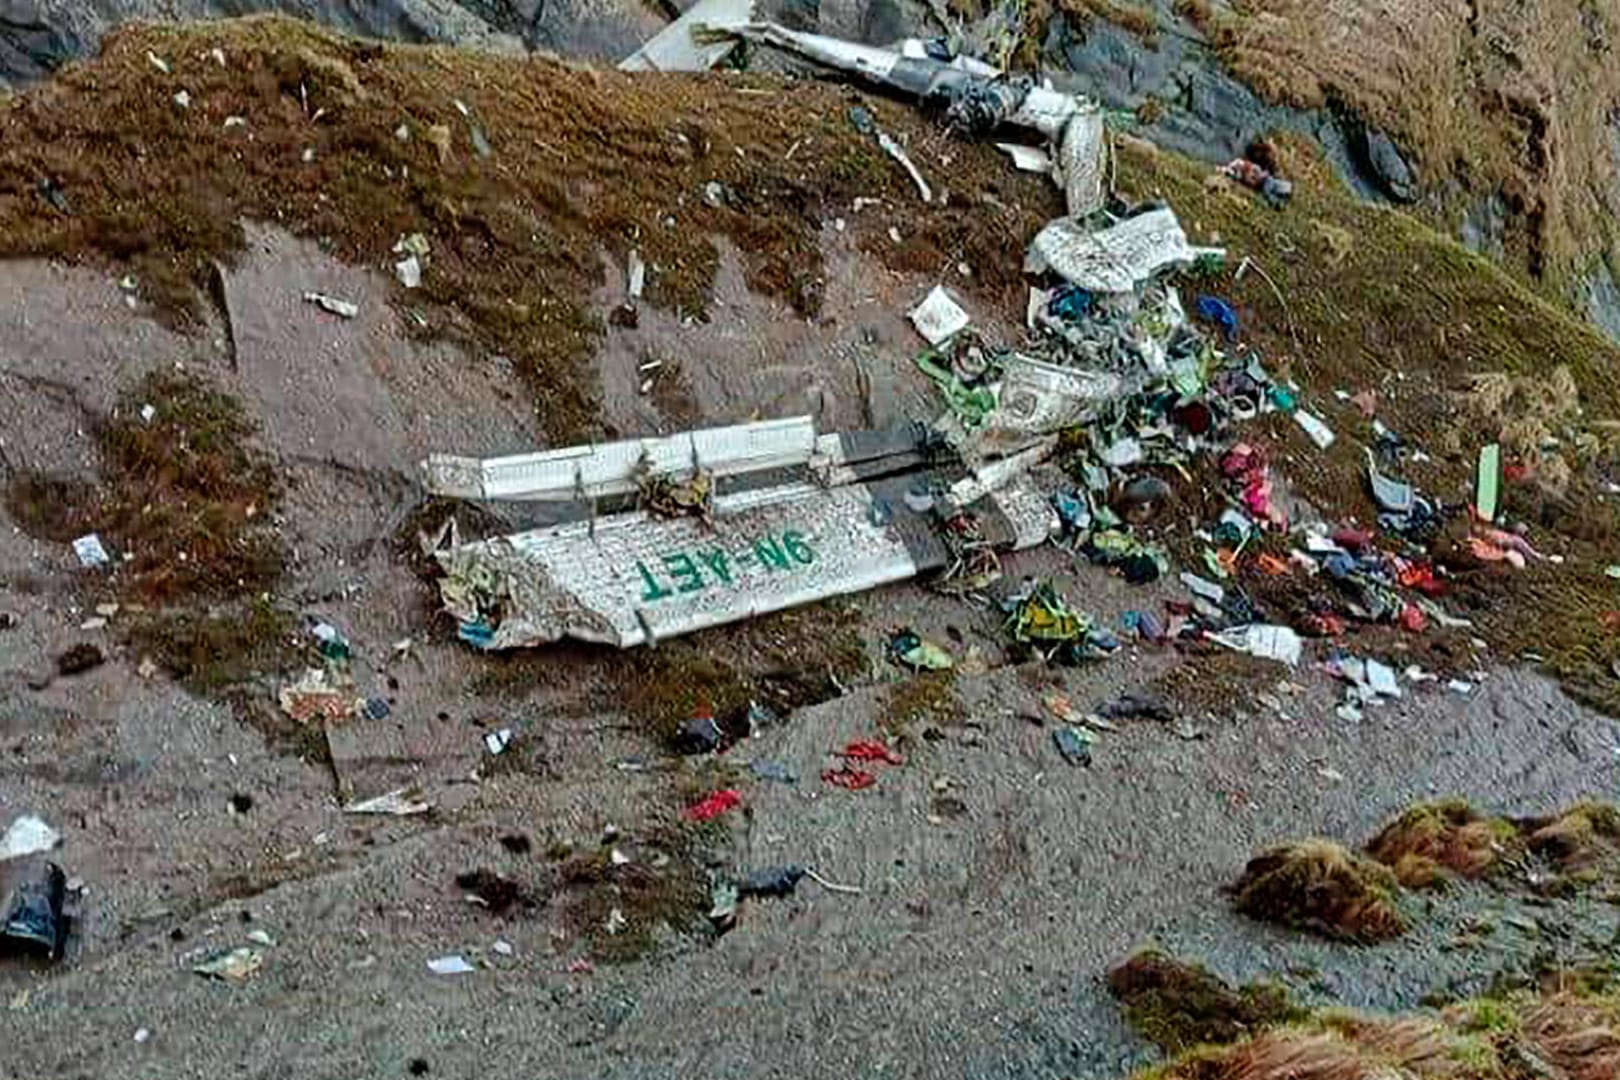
{"x": 921, "y": 700}
{"x": 1178, "y": 1005}
{"x": 1318, "y": 886}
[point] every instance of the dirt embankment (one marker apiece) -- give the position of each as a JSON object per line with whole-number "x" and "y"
{"x": 521, "y": 174}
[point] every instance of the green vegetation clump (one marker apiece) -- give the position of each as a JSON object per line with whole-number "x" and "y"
{"x": 1178, "y": 1006}
{"x": 1318, "y": 886}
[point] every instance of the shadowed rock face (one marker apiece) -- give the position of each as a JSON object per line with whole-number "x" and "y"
{"x": 39, "y": 36}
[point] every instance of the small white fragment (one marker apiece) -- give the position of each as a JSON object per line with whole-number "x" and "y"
{"x": 157, "y": 61}
{"x": 616, "y": 922}
{"x": 403, "y": 133}
{"x": 235, "y": 121}
{"x": 502, "y": 948}
{"x": 142, "y": 1034}
{"x": 218, "y": 55}
{"x": 1320, "y": 433}
{"x": 345, "y": 308}
{"x": 1200, "y": 586}
{"x": 28, "y": 835}
{"x": 308, "y": 155}
{"x": 496, "y": 742}
{"x": 183, "y": 99}
{"x": 1123, "y": 453}
{"x": 618, "y": 858}
{"x": 1460, "y": 686}
{"x": 413, "y": 244}
{"x": 148, "y": 413}
{"x": 1264, "y": 641}
{"x": 398, "y": 803}
{"x": 636, "y": 274}
{"x": 409, "y": 272}
{"x": 450, "y": 965}
{"x": 1381, "y": 678}
{"x": 261, "y": 937}
{"x": 894, "y": 150}
{"x": 1027, "y": 158}
{"x": 89, "y": 550}
{"x": 939, "y": 318}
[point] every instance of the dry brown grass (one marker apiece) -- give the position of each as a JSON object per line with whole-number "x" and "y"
{"x": 1509, "y": 96}
{"x": 1430, "y": 839}
{"x": 1579, "y": 840}
{"x": 1317, "y": 885}
{"x": 1578, "y": 1036}
{"x": 1178, "y": 1006}
{"x": 1139, "y": 20}
{"x": 1431, "y": 842}
{"x": 1552, "y": 1037}
{"x": 1530, "y": 415}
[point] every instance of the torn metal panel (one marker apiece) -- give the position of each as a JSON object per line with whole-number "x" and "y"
{"x": 1045, "y": 110}
{"x": 1118, "y": 259}
{"x": 1027, "y": 158}
{"x": 1083, "y": 162}
{"x": 1037, "y": 398}
{"x": 856, "y": 456}
{"x": 917, "y": 49}
{"x": 609, "y": 469}
{"x": 633, "y": 579}
{"x": 1004, "y": 474}
{"x": 674, "y": 48}
{"x": 868, "y": 61}
{"x": 991, "y": 95}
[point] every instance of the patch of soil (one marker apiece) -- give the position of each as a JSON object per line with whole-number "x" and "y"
{"x": 496, "y": 893}
{"x": 185, "y": 499}
{"x": 920, "y": 701}
{"x": 625, "y": 911}
{"x": 1214, "y": 681}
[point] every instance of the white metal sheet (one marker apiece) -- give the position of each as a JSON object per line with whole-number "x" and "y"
{"x": 674, "y": 49}
{"x": 1117, "y": 259}
{"x": 1083, "y": 158}
{"x": 1037, "y": 398}
{"x": 634, "y": 579}
{"x": 606, "y": 469}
